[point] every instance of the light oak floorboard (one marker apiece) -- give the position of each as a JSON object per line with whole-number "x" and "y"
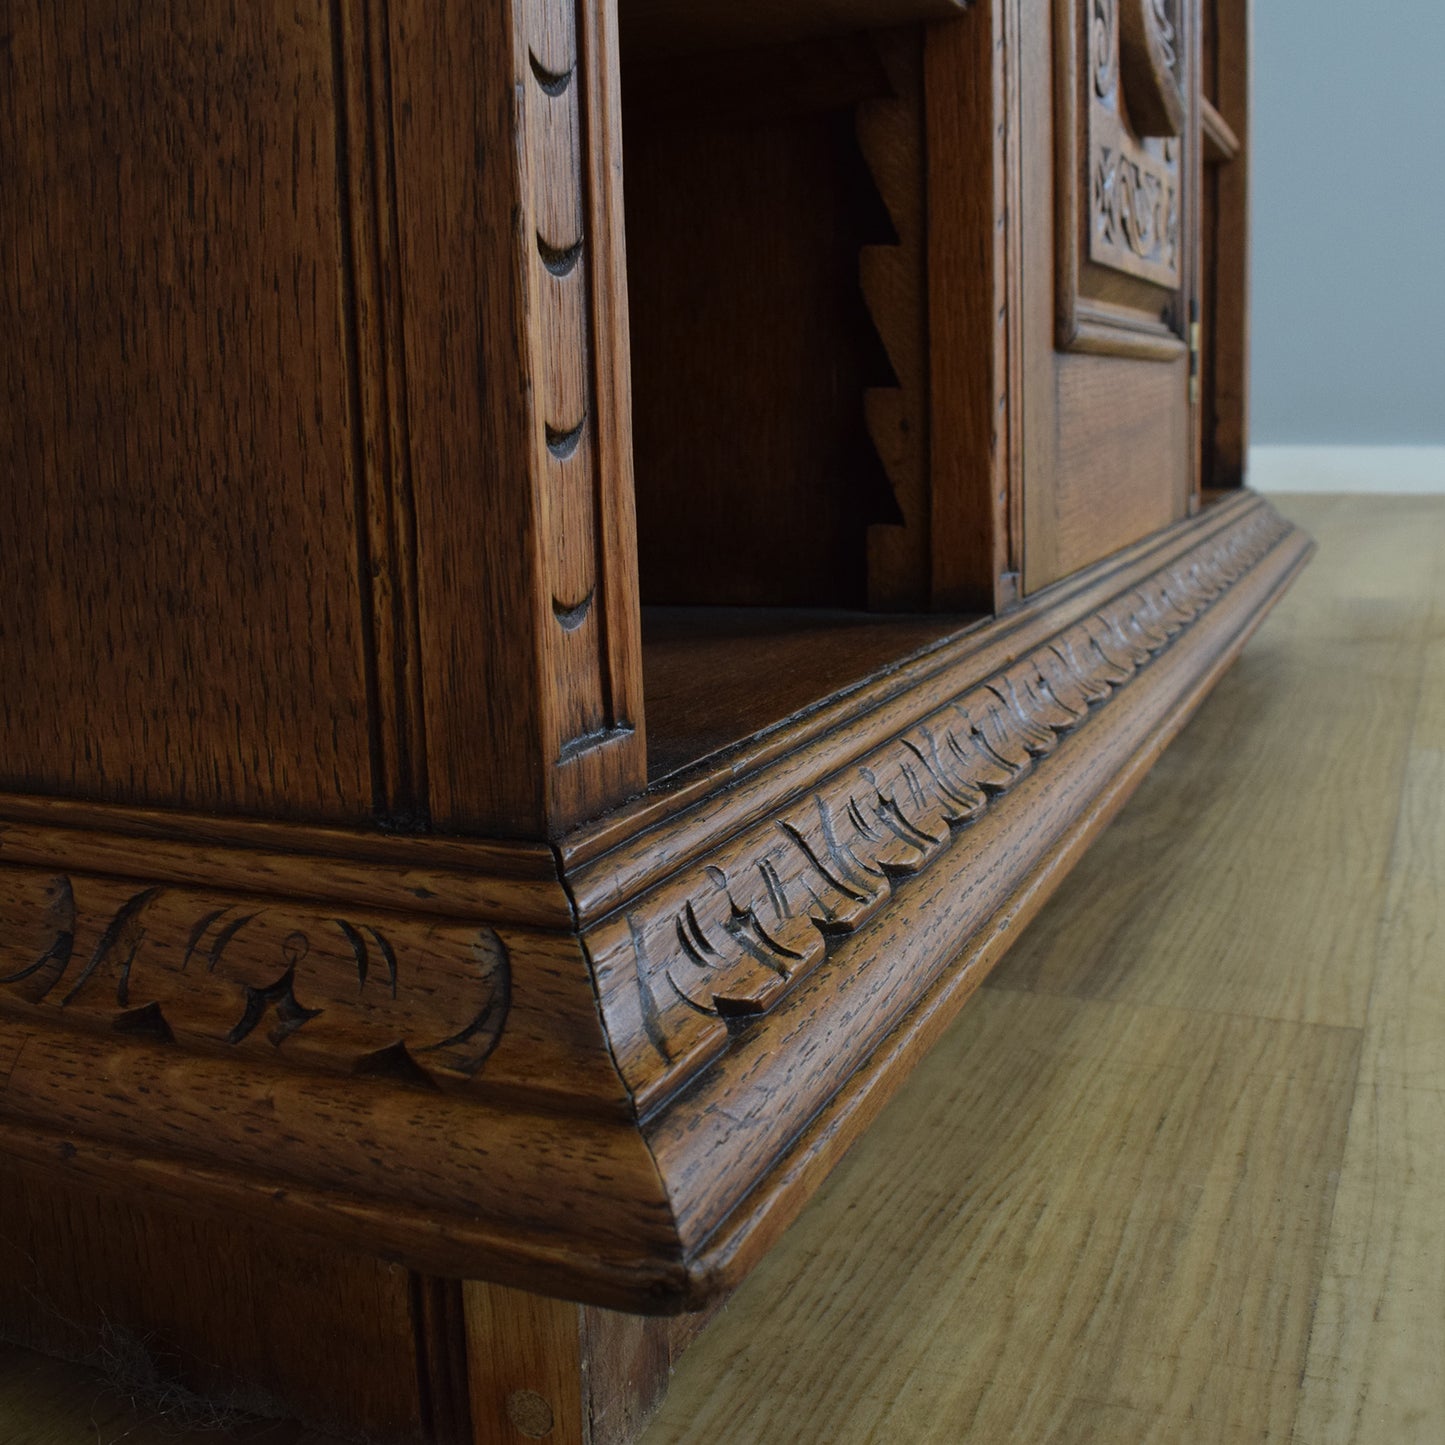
{"x": 1078, "y": 1221}
{"x": 1376, "y": 1367}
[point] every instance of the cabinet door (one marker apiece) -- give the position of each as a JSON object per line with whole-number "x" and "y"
{"x": 1108, "y": 100}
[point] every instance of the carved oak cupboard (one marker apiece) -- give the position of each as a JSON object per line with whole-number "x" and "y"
{"x": 572, "y": 573}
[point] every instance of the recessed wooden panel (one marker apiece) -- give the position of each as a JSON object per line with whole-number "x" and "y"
{"x": 1122, "y": 463}
{"x": 1124, "y": 205}
{"x": 183, "y": 619}
{"x": 1108, "y": 416}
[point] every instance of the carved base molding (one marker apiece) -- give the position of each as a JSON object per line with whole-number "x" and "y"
{"x": 611, "y": 1071}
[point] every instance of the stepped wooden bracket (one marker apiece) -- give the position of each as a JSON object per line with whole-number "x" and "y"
{"x": 894, "y": 281}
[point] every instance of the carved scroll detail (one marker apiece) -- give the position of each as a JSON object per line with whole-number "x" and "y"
{"x": 1135, "y": 207}
{"x": 727, "y": 938}
{"x": 258, "y": 975}
{"x": 1103, "y": 46}
{"x": 1134, "y": 182}
{"x": 1150, "y": 60}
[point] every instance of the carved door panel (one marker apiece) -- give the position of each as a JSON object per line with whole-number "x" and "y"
{"x": 1110, "y": 256}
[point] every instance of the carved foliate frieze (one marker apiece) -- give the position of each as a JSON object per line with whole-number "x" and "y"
{"x": 418, "y": 1001}
{"x": 1134, "y": 171}
{"x": 725, "y": 939}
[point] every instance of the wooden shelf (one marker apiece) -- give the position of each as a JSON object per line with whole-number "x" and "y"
{"x": 714, "y": 677}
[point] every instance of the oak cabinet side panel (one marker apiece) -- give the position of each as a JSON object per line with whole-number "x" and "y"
{"x": 181, "y": 571}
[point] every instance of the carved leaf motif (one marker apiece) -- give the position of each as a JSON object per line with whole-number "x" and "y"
{"x": 730, "y": 937}
{"x": 1068, "y": 680}
{"x": 260, "y": 975}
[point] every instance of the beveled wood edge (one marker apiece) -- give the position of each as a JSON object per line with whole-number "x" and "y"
{"x": 609, "y": 862}
{"x": 494, "y": 880}
{"x": 445, "y": 1246}
{"x": 1096, "y": 331}
{"x": 720, "y": 1260}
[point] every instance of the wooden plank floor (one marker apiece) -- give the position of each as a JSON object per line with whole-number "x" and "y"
{"x": 1178, "y": 1173}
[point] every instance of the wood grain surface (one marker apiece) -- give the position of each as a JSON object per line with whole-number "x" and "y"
{"x": 1106, "y": 438}
{"x": 976, "y": 261}
{"x": 232, "y": 1319}
{"x": 1116, "y": 1204}
{"x": 720, "y": 676}
{"x": 182, "y": 575}
{"x": 1225, "y": 242}
{"x": 752, "y": 347}
{"x": 506, "y": 143}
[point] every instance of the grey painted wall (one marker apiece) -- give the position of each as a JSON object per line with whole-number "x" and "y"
{"x": 1348, "y": 327}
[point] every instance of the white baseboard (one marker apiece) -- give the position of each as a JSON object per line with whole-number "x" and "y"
{"x": 1347, "y": 469}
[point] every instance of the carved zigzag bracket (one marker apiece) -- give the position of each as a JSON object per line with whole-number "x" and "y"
{"x": 724, "y": 940}
{"x": 419, "y": 1002}
{"x": 893, "y": 278}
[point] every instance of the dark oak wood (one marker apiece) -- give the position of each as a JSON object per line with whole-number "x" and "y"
{"x": 380, "y": 895}
{"x": 251, "y": 488}
{"x": 893, "y": 139}
{"x": 224, "y": 1025}
{"x": 254, "y": 1323}
{"x": 683, "y": 26}
{"x": 199, "y": 1320}
{"x": 718, "y": 677}
{"x": 752, "y": 351}
{"x": 1225, "y": 314}
{"x": 506, "y": 138}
